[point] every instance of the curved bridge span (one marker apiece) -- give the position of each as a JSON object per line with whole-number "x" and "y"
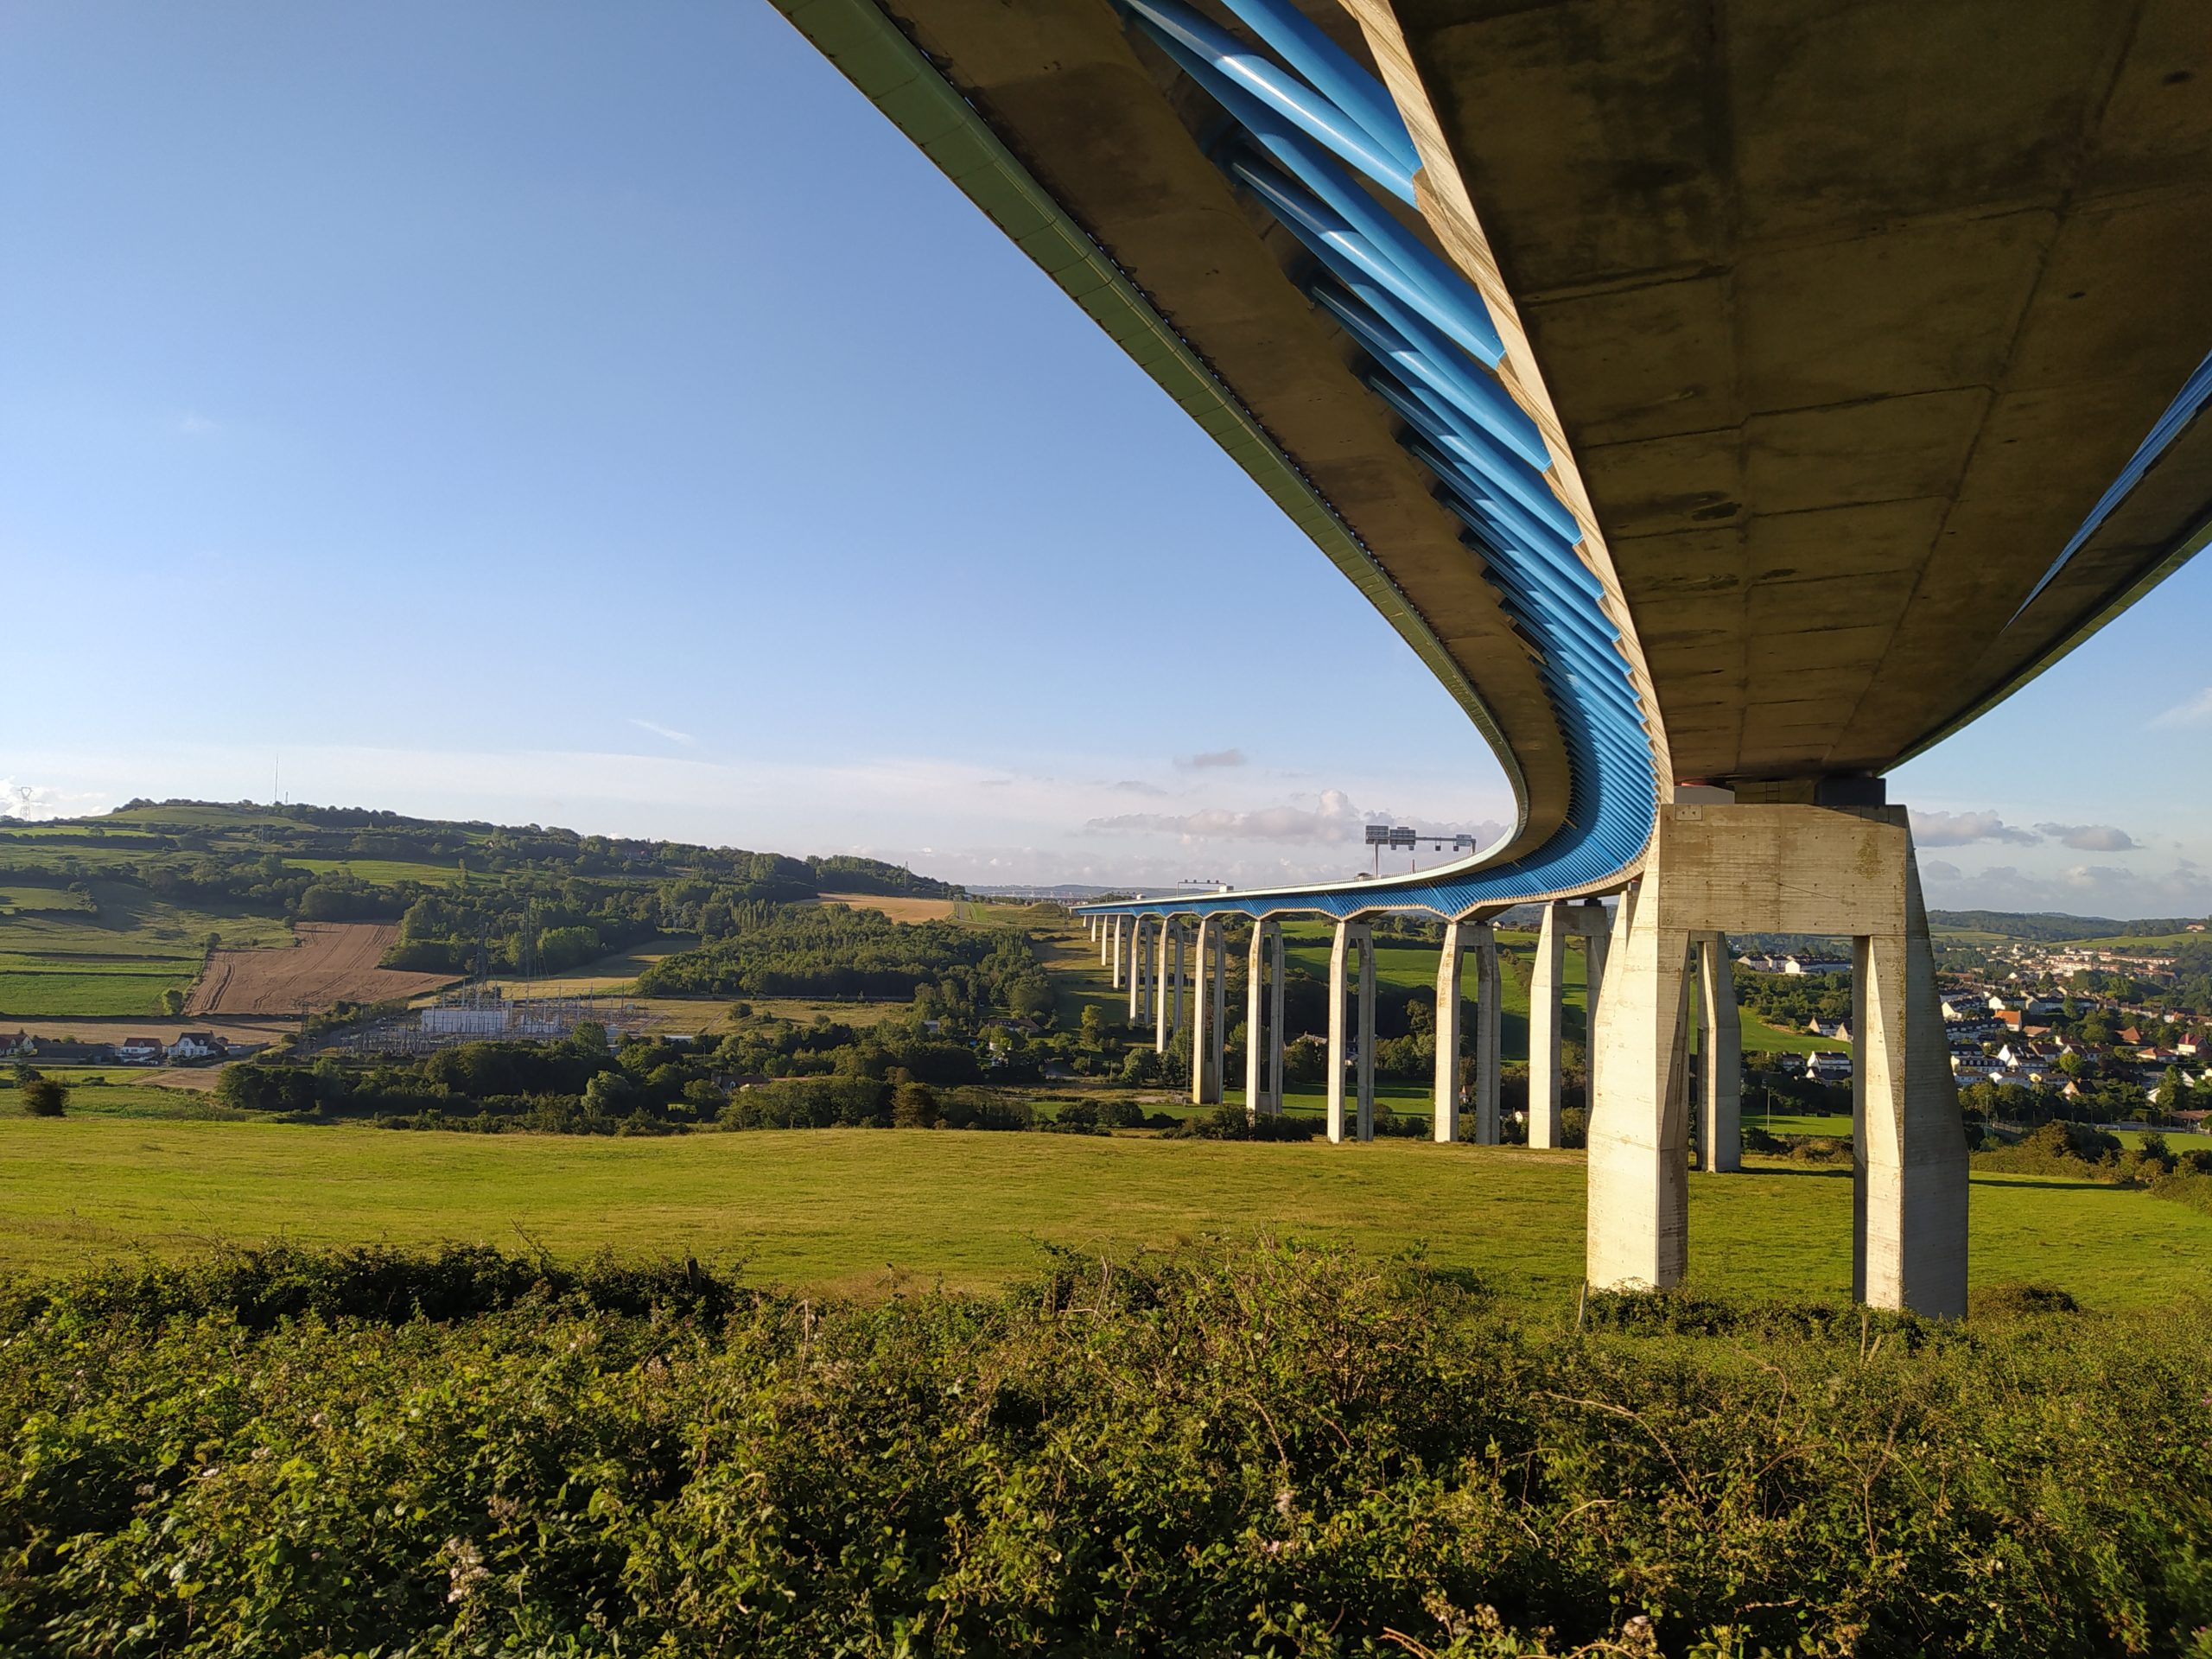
{"x": 1726, "y": 399}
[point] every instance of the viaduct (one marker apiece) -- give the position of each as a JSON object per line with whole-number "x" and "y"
{"x": 1726, "y": 399}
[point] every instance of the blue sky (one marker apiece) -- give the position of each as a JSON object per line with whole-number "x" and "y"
{"x": 540, "y": 414}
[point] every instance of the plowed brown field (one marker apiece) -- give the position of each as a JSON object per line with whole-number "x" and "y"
{"x": 334, "y": 962}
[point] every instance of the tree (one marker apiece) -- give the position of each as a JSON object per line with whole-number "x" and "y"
{"x": 1093, "y": 1026}
{"x": 2172, "y": 1091}
{"x": 913, "y": 1106}
{"x": 610, "y": 1094}
{"x": 1305, "y": 1060}
{"x": 45, "y": 1097}
{"x": 1030, "y": 998}
{"x": 172, "y": 1001}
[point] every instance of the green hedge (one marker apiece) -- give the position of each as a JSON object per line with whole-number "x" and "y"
{"x": 1264, "y": 1451}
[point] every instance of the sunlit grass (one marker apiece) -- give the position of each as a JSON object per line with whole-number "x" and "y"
{"x": 859, "y": 1208}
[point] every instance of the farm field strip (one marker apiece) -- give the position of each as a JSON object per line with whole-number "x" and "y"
{"x": 31, "y": 996}
{"x": 383, "y": 872}
{"x": 868, "y": 1208}
{"x": 899, "y": 909}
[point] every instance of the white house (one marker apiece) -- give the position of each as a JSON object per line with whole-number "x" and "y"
{"x": 1830, "y": 1068}
{"x": 138, "y": 1051}
{"x": 197, "y": 1046}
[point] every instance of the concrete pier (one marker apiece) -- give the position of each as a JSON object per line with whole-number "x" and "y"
{"x": 1720, "y": 1058}
{"x": 1208, "y": 1000}
{"x": 1773, "y": 868}
{"x": 1166, "y": 994}
{"x": 1138, "y": 926}
{"x": 1459, "y": 939}
{"x": 1449, "y": 1022}
{"x": 1264, "y": 976}
{"x": 1546, "y": 988}
{"x": 1178, "y": 932}
{"x": 1218, "y": 1046}
{"x": 1351, "y": 938}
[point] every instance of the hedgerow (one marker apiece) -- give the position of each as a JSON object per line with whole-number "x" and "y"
{"x": 1269, "y": 1449}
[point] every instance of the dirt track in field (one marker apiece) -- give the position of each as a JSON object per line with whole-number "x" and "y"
{"x": 334, "y": 962}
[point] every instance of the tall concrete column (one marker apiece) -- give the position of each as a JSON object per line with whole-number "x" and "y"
{"x": 1908, "y": 1151}
{"x": 1595, "y": 926}
{"x": 1490, "y": 1055}
{"x": 1720, "y": 1058}
{"x": 1176, "y": 1016}
{"x": 1133, "y": 977}
{"x": 1782, "y": 868}
{"x": 1638, "y": 1225}
{"x": 1546, "y": 985}
{"x": 1263, "y": 1022}
{"x": 1351, "y": 937}
{"x": 1219, "y": 1050}
{"x": 1448, "y": 1007}
{"x": 1276, "y": 971}
{"x": 1114, "y": 949}
{"x": 1162, "y": 980}
{"x": 1205, "y": 1015}
{"x": 1365, "y": 1065}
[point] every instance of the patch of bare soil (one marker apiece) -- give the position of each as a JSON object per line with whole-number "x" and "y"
{"x": 334, "y": 962}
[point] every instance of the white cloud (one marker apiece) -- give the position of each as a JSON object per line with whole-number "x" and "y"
{"x": 193, "y": 424}
{"x": 2195, "y": 711}
{"x": 28, "y": 803}
{"x": 2075, "y": 890}
{"x": 1963, "y": 828}
{"x": 2091, "y": 837}
{"x": 1332, "y": 819}
{"x": 662, "y": 731}
{"x": 1211, "y": 760}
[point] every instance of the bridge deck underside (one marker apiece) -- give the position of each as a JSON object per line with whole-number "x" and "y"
{"x": 1852, "y": 313}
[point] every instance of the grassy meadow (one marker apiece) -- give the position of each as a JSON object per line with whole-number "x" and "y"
{"x": 110, "y": 950}
{"x": 866, "y": 1210}
{"x": 383, "y": 872}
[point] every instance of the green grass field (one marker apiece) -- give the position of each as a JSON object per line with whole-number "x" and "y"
{"x": 862, "y": 1209}
{"x": 58, "y": 902}
{"x": 58, "y": 994}
{"x": 115, "y": 955}
{"x": 383, "y": 871}
{"x": 132, "y": 1101}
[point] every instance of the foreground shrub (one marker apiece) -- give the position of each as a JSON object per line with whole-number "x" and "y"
{"x": 44, "y": 1097}
{"x": 1269, "y": 1452}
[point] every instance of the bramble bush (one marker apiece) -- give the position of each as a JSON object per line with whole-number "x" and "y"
{"x": 1270, "y": 1450}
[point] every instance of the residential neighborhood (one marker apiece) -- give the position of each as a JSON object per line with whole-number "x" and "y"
{"x": 2117, "y": 1034}
{"x": 188, "y": 1048}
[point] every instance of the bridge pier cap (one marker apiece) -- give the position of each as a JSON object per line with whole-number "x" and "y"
{"x": 1781, "y": 869}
